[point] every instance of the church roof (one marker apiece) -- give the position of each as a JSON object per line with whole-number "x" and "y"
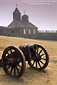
{"x": 25, "y": 16}
{"x": 16, "y": 24}
{"x": 16, "y": 11}
{"x": 24, "y": 23}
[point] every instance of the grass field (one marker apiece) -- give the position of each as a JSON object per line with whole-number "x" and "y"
{"x": 31, "y": 76}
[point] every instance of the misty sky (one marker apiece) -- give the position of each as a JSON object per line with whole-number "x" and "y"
{"x": 43, "y": 15}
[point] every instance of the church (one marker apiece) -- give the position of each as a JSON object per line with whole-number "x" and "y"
{"x": 20, "y": 26}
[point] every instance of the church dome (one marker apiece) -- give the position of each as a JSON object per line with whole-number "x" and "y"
{"x": 25, "y": 18}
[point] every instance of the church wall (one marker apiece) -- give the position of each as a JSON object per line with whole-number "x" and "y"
{"x": 20, "y": 32}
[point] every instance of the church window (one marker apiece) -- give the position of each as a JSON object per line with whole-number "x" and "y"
{"x": 24, "y": 31}
{"x": 29, "y": 31}
{"x": 33, "y": 31}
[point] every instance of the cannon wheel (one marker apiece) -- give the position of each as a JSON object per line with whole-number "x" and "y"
{"x": 13, "y": 62}
{"x": 41, "y": 61}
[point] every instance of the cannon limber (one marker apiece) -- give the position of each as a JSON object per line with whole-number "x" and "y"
{"x": 14, "y": 59}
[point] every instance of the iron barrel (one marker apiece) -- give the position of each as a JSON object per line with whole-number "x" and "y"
{"x": 29, "y": 51}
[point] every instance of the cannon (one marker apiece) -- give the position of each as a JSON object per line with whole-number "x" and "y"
{"x": 14, "y": 59}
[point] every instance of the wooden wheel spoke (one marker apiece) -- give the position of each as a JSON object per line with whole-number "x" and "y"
{"x": 33, "y": 63}
{"x": 42, "y": 54}
{"x": 36, "y": 64}
{"x": 40, "y": 51}
{"x": 11, "y": 70}
{"x": 43, "y": 59}
{"x": 8, "y": 67}
{"x": 12, "y": 54}
{"x": 7, "y": 53}
{"x": 14, "y": 71}
{"x": 11, "y": 50}
{"x": 19, "y": 66}
{"x": 17, "y": 70}
{"x": 41, "y": 62}
{"x": 6, "y": 63}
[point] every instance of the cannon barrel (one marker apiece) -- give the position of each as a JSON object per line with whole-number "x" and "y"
{"x": 29, "y": 51}
{"x": 31, "y": 47}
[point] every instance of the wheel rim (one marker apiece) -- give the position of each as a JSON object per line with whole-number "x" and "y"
{"x": 40, "y": 61}
{"x": 13, "y": 62}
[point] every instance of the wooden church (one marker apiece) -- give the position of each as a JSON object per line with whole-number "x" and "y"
{"x": 20, "y": 26}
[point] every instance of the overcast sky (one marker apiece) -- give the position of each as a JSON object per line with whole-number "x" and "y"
{"x": 42, "y": 13}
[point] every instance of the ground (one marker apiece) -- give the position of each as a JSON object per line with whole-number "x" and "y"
{"x": 31, "y": 76}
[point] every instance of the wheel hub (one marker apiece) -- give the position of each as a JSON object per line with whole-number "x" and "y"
{"x": 12, "y": 62}
{"x": 38, "y": 58}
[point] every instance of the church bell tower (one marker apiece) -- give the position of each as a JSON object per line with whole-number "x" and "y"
{"x": 16, "y": 14}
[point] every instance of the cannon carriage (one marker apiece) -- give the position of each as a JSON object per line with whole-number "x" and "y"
{"x": 14, "y": 59}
